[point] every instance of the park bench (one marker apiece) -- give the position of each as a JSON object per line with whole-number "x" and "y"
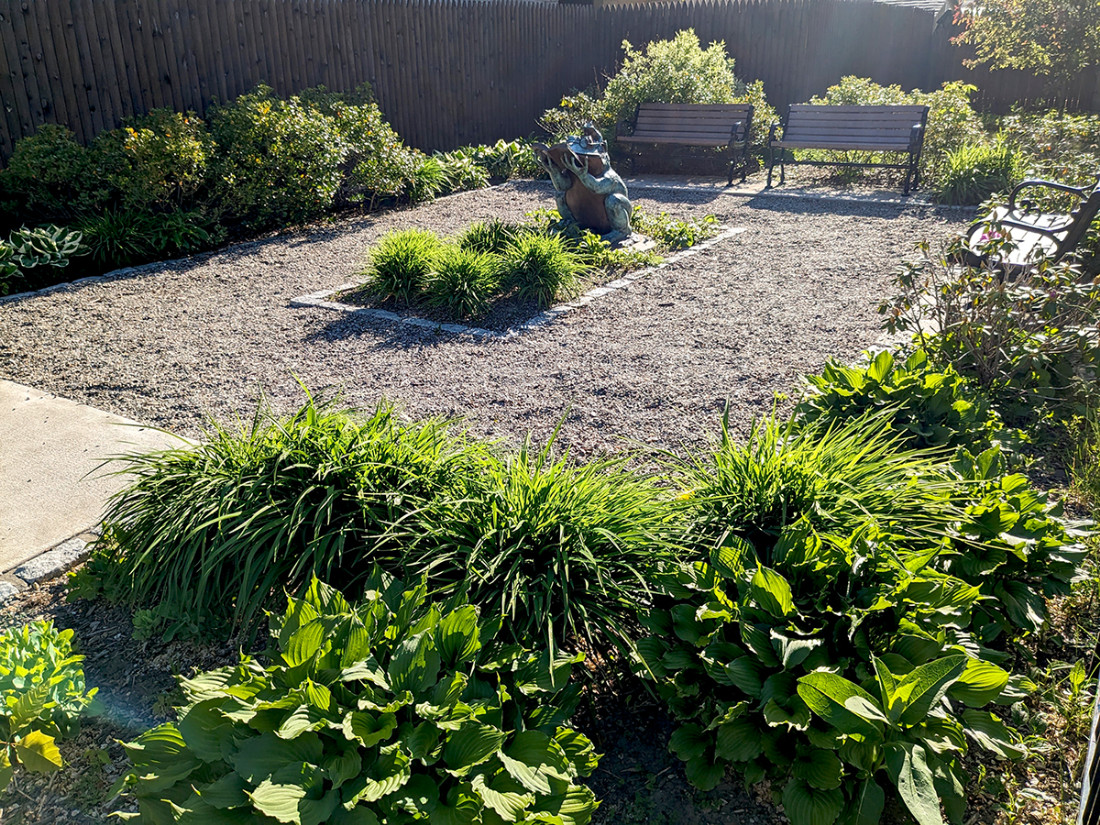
{"x": 1023, "y": 235}
{"x": 700, "y": 125}
{"x": 876, "y": 129}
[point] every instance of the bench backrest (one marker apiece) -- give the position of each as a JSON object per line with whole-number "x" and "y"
{"x": 703, "y": 122}
{"x": 880, "y": 125}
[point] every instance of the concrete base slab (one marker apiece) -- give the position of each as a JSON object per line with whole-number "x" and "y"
{"x": 52, "y": 482}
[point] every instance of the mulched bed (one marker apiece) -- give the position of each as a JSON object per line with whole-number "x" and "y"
{"x": 655, "y": 364}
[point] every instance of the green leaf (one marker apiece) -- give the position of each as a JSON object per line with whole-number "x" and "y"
{"x": 738, "y": 741}
{"x": 574, "y": 807}
{"x": 462, "y": 808}
{"x": 204, "y": 729}
{"x": 508, "y": 805}
{"x": 278, "y": 801}
{"x": 991, "y": 733}
{"x": 161, "y": 755}
{"x": 867, "y": 806}
{"x": 747, "y": 674}
{"x": 703, "y": 772}
{"x": 471, "y": 745}
{"x": 418, "y": 796}
{"x": 414, "y": 665}
{"x": 368, "y": 729}
{"x": 457, "y": 635}
{"x": 226, "y": 792}
{"x": 688, "y": 741}
{"x": 880, "y": 367}
{"x": 261, "y": 756}
{"x": 907, "y": 765}
{"x": 772, "y": 592}
{"x": 844, "y": 705}
{"x": 809, "y": 806}
{"x": 924, "y": 686}
{"x": 728, "y": 558}
{"x": 819, "y": 768}
{"x": 341, "y": 766}
{"x": 38, "y": 752}
{"x": 980, "y": 683}
{"x": 532, "y": 758}
{"x": 304, "y": 643}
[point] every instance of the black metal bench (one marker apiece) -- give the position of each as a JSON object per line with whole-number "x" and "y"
{"x": 851, "y": 128}
{"x": 703, "y": 125}
{"x": 1023, "y": 235}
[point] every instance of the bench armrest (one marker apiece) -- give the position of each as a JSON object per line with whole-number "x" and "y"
{"x": 627, "y": 127}
{"x": 772, "y": 130}
{"x": 916, "y": 137}
{"x": 1079, "y": 191}
{"x": 737, "y": 132}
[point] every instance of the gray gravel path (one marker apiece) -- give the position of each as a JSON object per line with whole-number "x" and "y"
{"x": 656, "y": 363}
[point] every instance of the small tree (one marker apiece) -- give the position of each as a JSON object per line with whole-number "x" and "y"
{"x": 1055, "y": 38}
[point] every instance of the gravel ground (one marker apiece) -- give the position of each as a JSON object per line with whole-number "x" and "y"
{"x": 174, "y": 343}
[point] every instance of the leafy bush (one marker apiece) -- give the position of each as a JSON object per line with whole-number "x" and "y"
{"x": 974, "y": 172}
{"x": 666, "y": 71}
{"x": 40, "y": 248}
{"x": 560, "y": 550}
{"x": 462, "y": 281}
{"x": 118, "y": 238}
{"x": 159, "y": 162}
{"x": 279, "y": 161}
{"x": 952, "y": 122}
{"x": 400, "y": 265}
{"x": 541, "y": 267}
{"x": 42, "y": 696}
{"x": 1028, "y": 343}
{"x": 673, "y": 233}
{"x": 380, "y": 167}
{"x": 812, "y": 643}
{"x": 504, "y": 160}
{"x": 50, "y": 175}
{"x": 461, "y": 172}
{"x": 393, "y": 710}
{"x": 926, "y": 407}
{"x": 1085, "y": 459}
{"x": 1055, "y": 145}
{"x": 205, "y": 534}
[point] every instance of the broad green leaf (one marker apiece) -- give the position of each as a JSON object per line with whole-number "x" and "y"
{"x": 423, "y": 741}
{"x": 508, "y": 805}
{"x": 261, "y": 756}
{"x": 209, "y": 685}
{"x": 38, "y": 752}
{"x": 703, "y": 772}
{"x": 688, "y": 741}
{"x": 728, "y": 558}
{"x": 368, "y": 729}
{"x": 461, "y": 808}
{"x": 532, "y": 758}
{"x": 162, "y": 755}
{"x": 418, "y": 796}
{"x": 195, "y": 811}
{"x": 920, "y": 689}
{"x": 991, "y": 733}
{"x": 747, "y": 674}
{"x": 304, "y": 643}
{"x": 341, "y": 766}
{"x": 907, "y": 765}
{"x": 880, "y": 367}
{"x": 357, "y": 646}
{"x": 866, "y": 808}
{"x": 772, "y": 592}
{"x": 738, "y": 741}
{"x": 980, "y": 683}
{"x": 366, "y": 670}
{"x": 319, "y": 811}
{"x": 303, "y": 718}
{"x": 457, "y": 635}
{"x": 205, "y": 729}
{"x": 809, "y": 806}
{"x": 471, "y": 745}
{"x": 278, "y": 801}
{"x": 831, "y": 697}
{"x": 574, "y": 807}
{"x": 358, "y": 815}
{"x": 414, "y": 665}
{"x": 226, "y": 792}
{"x": 819, "y": 768}
{"x": 792, "y": 650}
{"x": 578, "y": 750}
{"x": 389, "y": 772}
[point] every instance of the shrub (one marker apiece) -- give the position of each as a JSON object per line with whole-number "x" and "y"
{"x": 1029, "y": 343}
{"x": 673, "y": 233}
{"x": 50, "y": 175}
{"x": 280, "y": 161}
{"x": 504, "y": 160}
{"x": 42, "y": 696}
{"x": 392, "y": 710}
{"x": 29, "y": 250}
{"x": 118, "y": 238}
{"x": 952, "y": 122}
{"x": 205, "y": 534}
{"x": 666, "y": 71}
{"x": 401, "y": 263}
{"x": 380, "y": 167}
{"x": 813, "y": 643}
{"x": 158, "y": 163}
{"x": 1055, "y": 145}
{"x": 462, "y": 281}
{"x": 461, "y": 172}
{"x": 925, "y": 406}
{"x": 1085, "y": 459}
{"x": 974, "y": 172}
{"x": 560, "y": 550}
{"x": 541, "y": 268}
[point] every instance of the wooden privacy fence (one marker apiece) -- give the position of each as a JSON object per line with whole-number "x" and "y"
{"x": 445, "y": 72}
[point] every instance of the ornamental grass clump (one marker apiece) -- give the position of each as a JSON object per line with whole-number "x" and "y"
{"x": 207, "y": 533}
{"x": 392, "y": 710}
{"x": 490, "y": 237}
{"x": 542, "y": 268}
{"x": 462, "y": 281}
{"x": 561, "y": 550}
{"x": 401, "y": 264}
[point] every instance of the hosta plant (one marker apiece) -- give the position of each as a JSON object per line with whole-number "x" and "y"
{"x": 928, "y": 407}
{"x": 766, "y": 654}
{"x": 392, "y": 710}
{"x": 42, "y": 695}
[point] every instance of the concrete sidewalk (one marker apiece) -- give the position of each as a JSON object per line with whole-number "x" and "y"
{"x": 52, "y": 484}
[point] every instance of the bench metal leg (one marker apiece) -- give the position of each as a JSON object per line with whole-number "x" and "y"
{"x": 771, "y": 166}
